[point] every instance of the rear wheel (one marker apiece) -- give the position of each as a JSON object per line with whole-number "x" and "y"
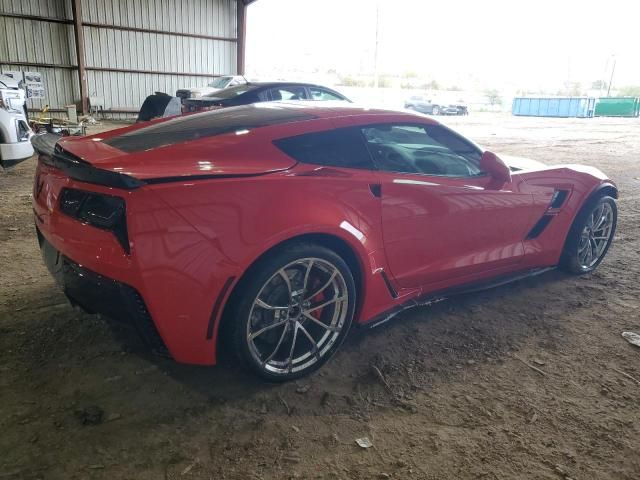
{"x": 294, "y": 312}
{"x": 590, "y": 236}
{"x": 435, "y": 110}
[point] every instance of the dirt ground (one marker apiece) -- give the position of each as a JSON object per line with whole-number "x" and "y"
{"x": 458, "y": 396}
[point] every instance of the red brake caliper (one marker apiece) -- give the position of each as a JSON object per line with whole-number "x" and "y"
{"x": 317, "y": 299}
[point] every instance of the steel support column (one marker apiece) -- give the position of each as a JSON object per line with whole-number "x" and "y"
{"x": 78, "y": 33}
{"x": 241, "y": 35}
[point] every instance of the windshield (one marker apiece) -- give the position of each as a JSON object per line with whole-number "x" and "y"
{"x": 230, "y": 92}
{"x": 221, "y": 82}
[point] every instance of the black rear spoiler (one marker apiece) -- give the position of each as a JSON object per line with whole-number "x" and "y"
{"x": 52, "y": 154}
{"x": 45, "y": 144}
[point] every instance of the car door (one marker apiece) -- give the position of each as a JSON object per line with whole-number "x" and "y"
{"x": 443, "y": 219}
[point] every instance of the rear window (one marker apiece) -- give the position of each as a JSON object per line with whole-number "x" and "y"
{"x": 206, "y": 124}
{"x": 342, "y": 147}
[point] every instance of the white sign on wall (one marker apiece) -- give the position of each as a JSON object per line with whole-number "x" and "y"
{"x": 34, "y": 85}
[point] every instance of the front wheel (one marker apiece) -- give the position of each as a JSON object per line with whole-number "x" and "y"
{"x": 590, "y": 236}
{"x": 435, "y": 110}
{"x": 294, "y": 312}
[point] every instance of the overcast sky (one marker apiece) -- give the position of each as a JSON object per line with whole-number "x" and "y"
{"x": 514, "y": 44}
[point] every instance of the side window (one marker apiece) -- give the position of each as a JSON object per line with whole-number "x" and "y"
{"x": 342, "y": 147}
{"x": 264, "y": 96}
{"x": 321, "y": 94}
{"x": 422, "y": 149}
{"x": 288, "y": 93}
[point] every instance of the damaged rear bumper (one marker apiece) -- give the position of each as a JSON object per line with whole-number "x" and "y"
{"x": 96, "y": 293}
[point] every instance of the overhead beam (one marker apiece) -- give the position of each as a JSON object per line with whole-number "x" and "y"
{"x": 78, "y": 33}
{"x": 38, "y": 64}
{"x": 159, "y": 32}
{"x": 152, "y": 72}
{"x": 118, "y": 27}
{"x": 106, "y": 69}
{"x": 37, "y": 18}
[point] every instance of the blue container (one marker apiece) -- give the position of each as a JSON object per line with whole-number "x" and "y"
{"x": 581, "y": 107}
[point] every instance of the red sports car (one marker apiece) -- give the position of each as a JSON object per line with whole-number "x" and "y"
{"x": 273, "y": 227}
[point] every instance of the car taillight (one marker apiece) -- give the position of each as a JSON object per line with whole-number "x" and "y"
{"x": 106, "y": 212}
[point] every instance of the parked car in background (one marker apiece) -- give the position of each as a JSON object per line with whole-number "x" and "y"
{"x": 271, "y": 228}
{"x": 461, "y": 108}
{"x": 423, "y": 104}
{"x": 255, "y": 92}
{"x": 218, "y": 84}
{"x": 14, "y": 129}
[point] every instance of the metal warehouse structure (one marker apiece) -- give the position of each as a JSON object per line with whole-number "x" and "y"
{"x": 120, "y": 50}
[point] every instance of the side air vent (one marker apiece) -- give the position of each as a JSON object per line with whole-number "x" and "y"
{"x": 387, "y": 282}
{"x": 558, "y": 198}
{"x": 539, "y": 227}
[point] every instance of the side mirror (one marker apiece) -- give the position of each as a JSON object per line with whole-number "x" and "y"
{"x": 490, "y": 163}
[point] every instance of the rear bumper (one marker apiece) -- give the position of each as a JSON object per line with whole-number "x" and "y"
{"x": 96, "y": 293}
{"x": 177, "y": 271}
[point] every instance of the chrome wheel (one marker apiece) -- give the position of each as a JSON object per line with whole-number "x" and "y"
{"x": 595, "y": 235}
{"x": 297, "y": 316}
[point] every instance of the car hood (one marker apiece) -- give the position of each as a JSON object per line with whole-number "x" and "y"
{"x": 521, "y": 163}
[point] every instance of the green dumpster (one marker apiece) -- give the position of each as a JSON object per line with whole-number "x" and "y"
{"x": 618, "y": 107}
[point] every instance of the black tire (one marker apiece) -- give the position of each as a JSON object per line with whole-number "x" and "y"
{"x": 570, "y": 260}
{"x": 265, "y": 274}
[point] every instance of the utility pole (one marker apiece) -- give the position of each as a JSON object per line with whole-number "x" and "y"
{"x": 613, "y": 69}
{"x": 604, "y": 77}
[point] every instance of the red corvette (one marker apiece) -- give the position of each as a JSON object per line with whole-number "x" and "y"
{"x": 274, "y": 227}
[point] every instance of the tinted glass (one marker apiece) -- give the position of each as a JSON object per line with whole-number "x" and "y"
{"x": 221, "y": 82}
{"x": 342, "y": 147}
{"x": 322, "y": 94}
{"x": 422, "y": 149}
{"x": 206, "y": 124}
{"x": 288, "y": 93}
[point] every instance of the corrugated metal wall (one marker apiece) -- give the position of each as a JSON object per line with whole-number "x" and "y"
{"x": 34, "y": 41}
{"x": 158, "y": 52}
{"x": 123, "y": 65}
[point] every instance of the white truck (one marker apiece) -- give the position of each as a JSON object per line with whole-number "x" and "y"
{"x": 15, "y": 134}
